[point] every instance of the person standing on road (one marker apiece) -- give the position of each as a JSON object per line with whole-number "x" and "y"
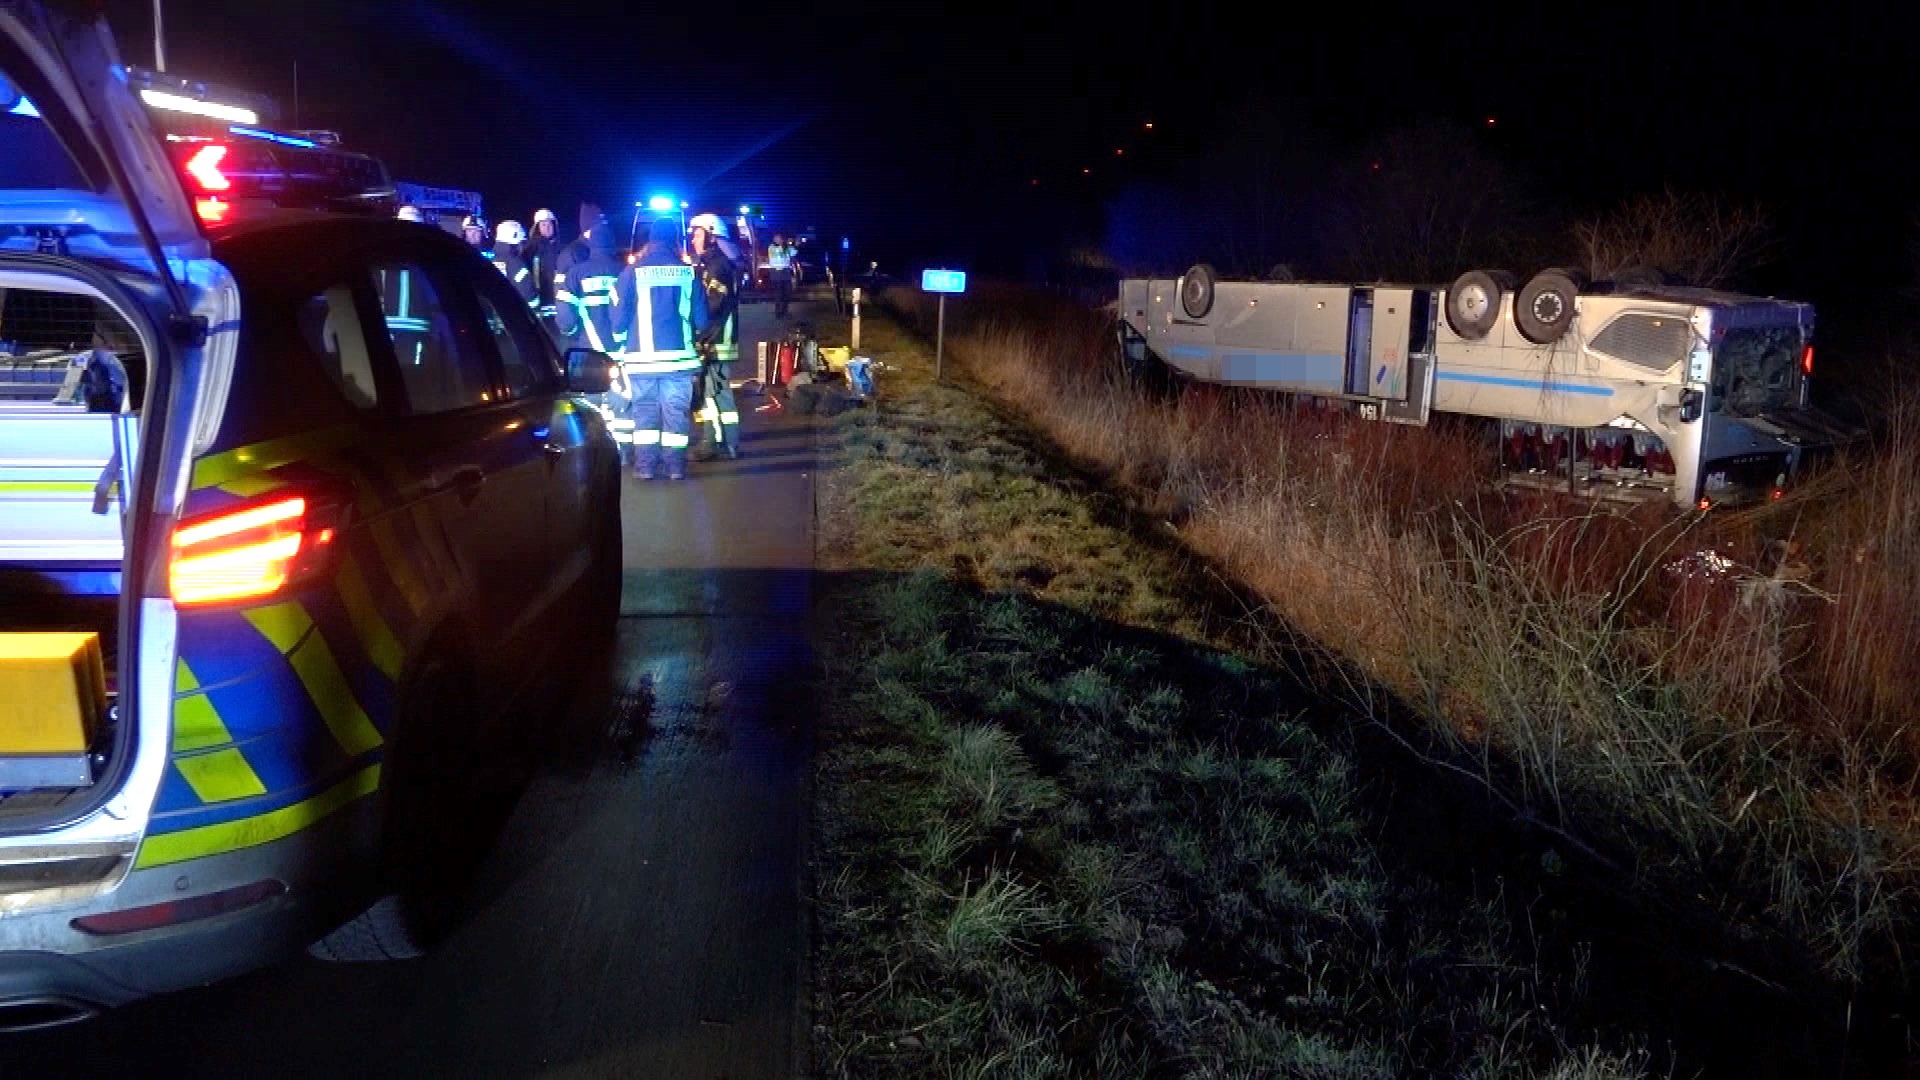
{"x": 583, "y": 281}
{"x": 780, "y": 258}
{"x": 507, "y": 256}
{"x": 583, "y": 292}
{"x": 542, "y": 250}
{"x": 716, "y": 318}
{"x": 654, "y": 300}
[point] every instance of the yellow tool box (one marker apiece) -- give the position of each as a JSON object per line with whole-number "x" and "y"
{"x": 836, "y": 357}
{"x": 53, "y": 696}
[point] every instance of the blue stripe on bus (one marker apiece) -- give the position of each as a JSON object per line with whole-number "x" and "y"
{"x": 1523, "y": 384}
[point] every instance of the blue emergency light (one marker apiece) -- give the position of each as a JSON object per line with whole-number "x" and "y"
{"x": 943, "y": 281}
{"x": 846, "y": 244}
{"x": 660, "y": 204}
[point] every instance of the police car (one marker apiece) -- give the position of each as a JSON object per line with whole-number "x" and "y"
{"x": 301, "y": 515}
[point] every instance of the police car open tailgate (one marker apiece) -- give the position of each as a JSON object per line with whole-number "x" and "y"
{"x": 112, "y": 221}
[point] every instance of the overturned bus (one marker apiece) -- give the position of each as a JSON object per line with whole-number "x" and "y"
{"x": 1618, "y": 390}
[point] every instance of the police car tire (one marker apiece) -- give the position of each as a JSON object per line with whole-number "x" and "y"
{"x": 377, "y": 934}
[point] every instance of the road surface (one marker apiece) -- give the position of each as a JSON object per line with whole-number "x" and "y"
{"x": 641, "y": 916}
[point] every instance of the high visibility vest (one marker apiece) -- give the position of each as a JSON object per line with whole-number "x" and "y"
{"x": 655, "y": 305}
{"x": 780, "y": 257}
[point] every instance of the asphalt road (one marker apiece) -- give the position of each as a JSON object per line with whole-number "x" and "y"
{"x": 641, "y": 916}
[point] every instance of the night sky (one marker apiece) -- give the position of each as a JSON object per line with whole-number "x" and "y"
{"x": 923, "y": 135}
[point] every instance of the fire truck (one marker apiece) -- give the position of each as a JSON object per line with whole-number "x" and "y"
{"x": 1620, "y": 390}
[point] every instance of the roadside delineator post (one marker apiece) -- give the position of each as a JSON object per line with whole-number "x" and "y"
{"x": 855, "y": 344}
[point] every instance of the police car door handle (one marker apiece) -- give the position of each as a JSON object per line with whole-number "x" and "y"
{"x": 466, "y": 480}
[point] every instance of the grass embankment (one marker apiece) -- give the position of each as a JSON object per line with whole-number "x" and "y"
{"x": 1061, "y": 833}
{"x": 1728, "y": 709}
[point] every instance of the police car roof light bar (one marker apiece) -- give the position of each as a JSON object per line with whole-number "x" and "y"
{"x": 232, "y": 114}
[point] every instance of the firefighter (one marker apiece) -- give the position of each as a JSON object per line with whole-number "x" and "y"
{"x": 509, "y": 255}
{"x": 473, "y": 228}
{"x": 583, "y": 288}
{"x": 716, "y": 317}
{"x": 583, "y": 292}
{"x": 411, "y": 213}
{"x": 653, "y": 302}
{"x": 542, "y": 249}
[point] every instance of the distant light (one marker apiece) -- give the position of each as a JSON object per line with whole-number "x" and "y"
{"x": 271, "y": 136}
{"x": 1086, "y": 172}
{"x": 1376, "y": 166}
{"x": 660, "y": 204}
{"x": 232, "y": 114}
{"x": 1149, "y": 125}
{"x": 1491, "y": 121}
{"x": 1035, "y": 182}
{"x": 745, "y": 210}
{"x": 1119, "y": 151}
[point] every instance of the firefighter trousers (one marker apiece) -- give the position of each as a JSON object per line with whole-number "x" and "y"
{"x": 719, "y": 415}
{"x": 660, "y": 409}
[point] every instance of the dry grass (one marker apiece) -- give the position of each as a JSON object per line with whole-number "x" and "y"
{"x": 1729, "y": 706}
{"x": 1060, "y": 834}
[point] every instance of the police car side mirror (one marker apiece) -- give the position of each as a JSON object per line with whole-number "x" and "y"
{"x": 589, "y": 371}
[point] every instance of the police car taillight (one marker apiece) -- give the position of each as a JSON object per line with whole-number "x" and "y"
{"x": 250, "y": 551}
{"x": 211, "y": 210}
{"x": 203, "y": 168}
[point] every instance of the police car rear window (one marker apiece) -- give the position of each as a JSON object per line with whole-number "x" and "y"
{"x": 32, "y": 159}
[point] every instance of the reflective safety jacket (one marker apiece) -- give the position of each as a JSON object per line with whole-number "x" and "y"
{"x": 543, "y": 257}
{"x": 716, "y": 308}
{"x": 510, "y": 263}
{"x": 584, "y": 294}
{"x": 653, "y": 302}
{"x": 780, "y": 256}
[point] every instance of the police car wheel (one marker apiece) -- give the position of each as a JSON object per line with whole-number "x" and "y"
{"x": 440, "y": 817}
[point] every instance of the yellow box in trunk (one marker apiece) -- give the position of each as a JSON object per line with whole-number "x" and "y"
{"x": 836, "y": 357}
{"x": 53, "y": 690}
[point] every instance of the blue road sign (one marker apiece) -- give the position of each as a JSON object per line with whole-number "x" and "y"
{"x": 943, "y": 281}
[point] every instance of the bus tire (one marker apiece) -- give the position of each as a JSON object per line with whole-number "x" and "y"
{"x": 1473, "y": 302}
{"x": 1544, "y": 309}
{"x": 1196, "y": 291}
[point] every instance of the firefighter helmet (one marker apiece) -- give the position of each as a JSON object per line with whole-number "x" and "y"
{"x": 544, "y": 214}
{"x": 473, "y": 221}
{"x": 510, "y": 232}
{"x": 410, "y": 213}
{"x": 711, "y": 223}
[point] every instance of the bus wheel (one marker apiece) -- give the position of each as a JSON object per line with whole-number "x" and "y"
{"x": 1543, "y": 311}
{"x": 1473, "y": 302}
{"x": 1196, "y": 291}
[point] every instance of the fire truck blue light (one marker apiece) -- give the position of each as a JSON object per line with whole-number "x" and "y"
{"x": 660, "y": 204}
